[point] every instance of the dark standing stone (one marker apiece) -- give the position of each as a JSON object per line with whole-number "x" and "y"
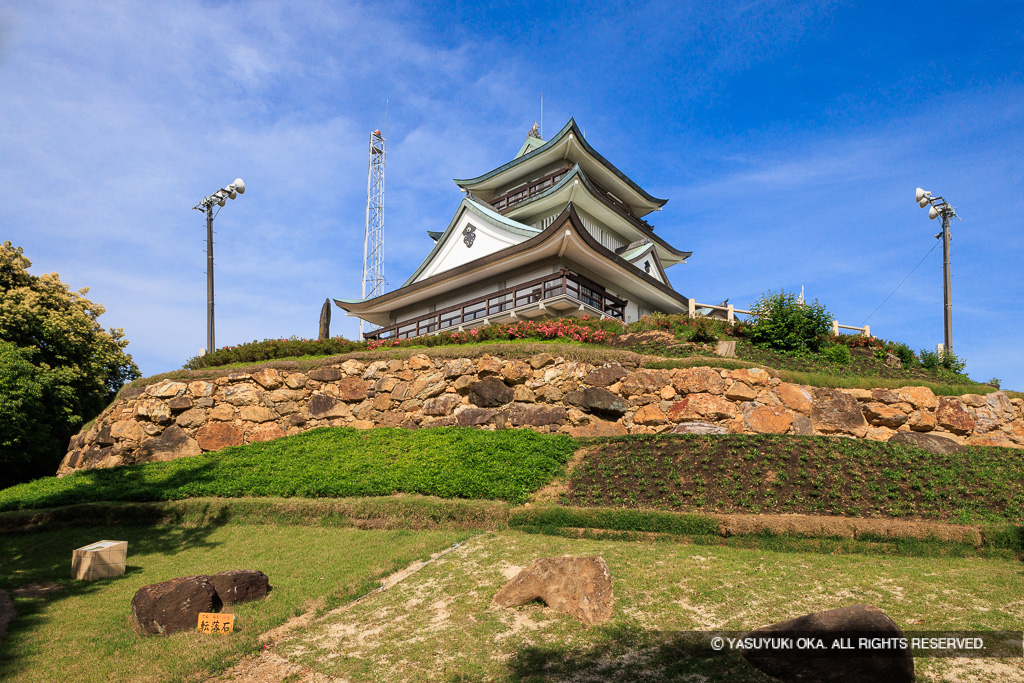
{"x": 325, "y": 320}
{"x": 490, "y": 392}
{"x": 240, "y": 585}
{"x": 835, "y": 665}
{"x": 173, "y": 605}
{"x": 929, "y": 442}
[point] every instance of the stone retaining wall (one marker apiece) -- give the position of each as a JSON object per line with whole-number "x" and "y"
{"x": 170, "y": 419}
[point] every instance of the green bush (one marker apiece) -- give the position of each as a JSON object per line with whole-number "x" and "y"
{"x": 703, "y": 331}
{"x": 838, "y": 354}
{"x": 905, "y": 355}
{"x": 933, "y": 360}
{"x": 781, "y": 323}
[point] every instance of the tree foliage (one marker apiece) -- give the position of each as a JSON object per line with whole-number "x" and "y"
{"x": 780, "y": 322}
{"x": 58, "y": 367}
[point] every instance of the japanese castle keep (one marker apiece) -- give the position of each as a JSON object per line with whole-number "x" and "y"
{"x": 556, "y": 232}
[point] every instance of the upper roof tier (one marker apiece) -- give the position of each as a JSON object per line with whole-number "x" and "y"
{"x": 568, "y": 145}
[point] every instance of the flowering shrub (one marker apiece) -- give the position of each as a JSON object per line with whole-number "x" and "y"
{"x": 572, "y": 329}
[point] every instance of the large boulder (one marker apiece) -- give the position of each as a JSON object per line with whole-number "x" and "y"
{"x": 834, "y": 665}
{"x": 240, "y": 585}
{"x": 836, "y": 412}
{"x": 577, "y": 586}
{"x": 175, "y": 605}
{"x": 952, "y": 415}
{"x": 929, "y": 442}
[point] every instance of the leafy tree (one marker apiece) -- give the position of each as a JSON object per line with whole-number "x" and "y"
{"x": 782, "y": 323}
{"x": 58, "y": 367}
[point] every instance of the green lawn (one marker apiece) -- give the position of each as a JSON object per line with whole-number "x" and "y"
{"x": 450, "y": 462}
{"x": 83, "y": 633}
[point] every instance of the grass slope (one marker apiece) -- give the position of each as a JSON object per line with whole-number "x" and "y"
{"x": 450, "y": 462}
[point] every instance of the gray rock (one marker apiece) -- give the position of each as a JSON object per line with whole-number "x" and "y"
{"x": 535, "y": 415}
{"x": 172, "y": 443}
{"x": 930, "y": 442}
{"x": 605, "y": 376}
{"x": 325, "y": 374}
{"x": 490, "y": 392}
{"x": 598, "y": 400}
{"x": 835, "y": 665}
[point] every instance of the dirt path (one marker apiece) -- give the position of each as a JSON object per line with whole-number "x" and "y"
{"x": 270, "y": 667}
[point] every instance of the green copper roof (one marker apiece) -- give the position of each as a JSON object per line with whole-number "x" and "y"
{"x": 570, "y": 127}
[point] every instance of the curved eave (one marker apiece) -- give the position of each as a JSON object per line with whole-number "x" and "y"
{"x": 558, "y": 147}
{"x": 489, "y": 215}
{"x": 565, "y": 236}
{"x": 563, "y": 192}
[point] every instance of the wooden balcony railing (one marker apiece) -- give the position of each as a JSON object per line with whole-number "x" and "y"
{"x": 524, "y": 192}
{"x": 563, "y": 283}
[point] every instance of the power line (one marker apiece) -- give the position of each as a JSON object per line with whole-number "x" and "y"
{"x": 901, "y": 283}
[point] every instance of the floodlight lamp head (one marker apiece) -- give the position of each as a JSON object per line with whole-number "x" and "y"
{"x": 933, "y": 213}
{"x": 239, "y": 186}
{"x": 921, "y": 194}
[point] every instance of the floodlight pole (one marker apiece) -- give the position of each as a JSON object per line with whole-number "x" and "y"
{"x": 211, "y": 344}
{"x": 206, "y": 206}
{"x": 947, "y": 292}
{"x": 939, "y": 207}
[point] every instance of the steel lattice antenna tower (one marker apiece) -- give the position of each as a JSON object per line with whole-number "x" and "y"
{"x": 373, "y": 242}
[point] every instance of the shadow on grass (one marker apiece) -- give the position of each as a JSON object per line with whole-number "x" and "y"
{"x": 630, "y": 654}
{"x": 45, "y": 558}
{"x": 124, "y": 484}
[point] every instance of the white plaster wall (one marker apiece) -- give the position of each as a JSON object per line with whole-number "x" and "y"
{"x": 454, "y": 252}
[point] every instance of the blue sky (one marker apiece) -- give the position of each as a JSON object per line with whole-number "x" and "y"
{"x": 788, "y": 137}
